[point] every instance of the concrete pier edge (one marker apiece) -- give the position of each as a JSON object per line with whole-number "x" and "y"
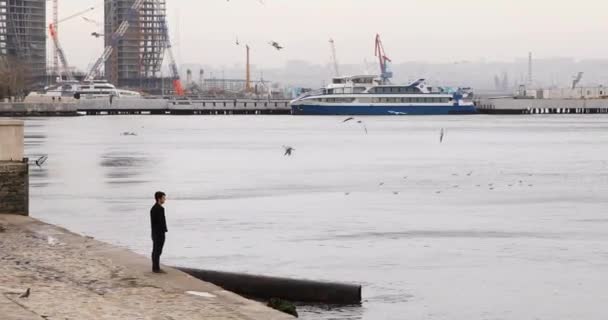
{"x": 172, "y": 283}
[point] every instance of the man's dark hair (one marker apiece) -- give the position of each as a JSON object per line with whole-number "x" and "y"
{"x": 158, "y": 195}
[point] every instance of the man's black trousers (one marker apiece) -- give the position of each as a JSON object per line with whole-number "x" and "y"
{"x": 158, "y": 241}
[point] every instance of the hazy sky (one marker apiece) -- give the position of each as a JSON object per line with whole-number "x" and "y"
{"x": 204, "y": 31}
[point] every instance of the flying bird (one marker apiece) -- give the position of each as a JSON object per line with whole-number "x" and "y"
{"x": 237, "y": 41}
{"x": 363, "y": 124}
{"x": 441, "y": 135}
{"x": 25, "y": 294}
{"x": 276, "y": 45}
{"x": 358, "y": 121}
{"x": 41, "y": 160}
{"x": 288, "y": 150}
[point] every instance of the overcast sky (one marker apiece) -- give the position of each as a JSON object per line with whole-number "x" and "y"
{"x": 204, "y": 31}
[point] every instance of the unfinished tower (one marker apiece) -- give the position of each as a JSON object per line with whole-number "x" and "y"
{"x": 23, "y": 35}
{"x": 137, "y": 57}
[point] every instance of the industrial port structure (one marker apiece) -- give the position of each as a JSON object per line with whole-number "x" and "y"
{"x": 23, "y": 35}
{"x": 138, "y": 56}
{"x": 136, "y": 39}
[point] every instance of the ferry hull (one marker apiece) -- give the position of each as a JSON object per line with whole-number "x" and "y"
{"x": 379, "y": 110}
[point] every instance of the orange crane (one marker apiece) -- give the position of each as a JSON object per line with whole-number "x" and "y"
{"x": 177, "y": 82}
{"x": 56, "y": 24}
{"x": 385, "y": 73}
{"x": 60, "y": 54}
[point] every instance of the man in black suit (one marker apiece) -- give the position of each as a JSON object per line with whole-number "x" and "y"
{"x": 159, "y": 228}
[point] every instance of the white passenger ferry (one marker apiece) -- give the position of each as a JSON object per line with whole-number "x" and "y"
{"x": 369, "y": 95}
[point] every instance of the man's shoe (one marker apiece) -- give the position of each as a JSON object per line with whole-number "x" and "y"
{"x": 159, "y": 271}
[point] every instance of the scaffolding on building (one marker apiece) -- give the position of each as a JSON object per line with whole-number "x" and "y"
{"x": 137, "y": 58}
{"x": 23, "y": 34}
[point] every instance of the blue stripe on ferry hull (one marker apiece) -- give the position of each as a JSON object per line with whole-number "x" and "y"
{"x": 380, "y": 110}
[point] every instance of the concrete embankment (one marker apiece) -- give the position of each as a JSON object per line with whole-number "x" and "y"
{"x": 22, "y": 109}
{"x": 76, "y": 277}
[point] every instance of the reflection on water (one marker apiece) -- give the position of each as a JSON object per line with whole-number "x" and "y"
{"x": 122, "y": 168}
{"x": 117, "y": 160}
{"x": 39, "y": 177}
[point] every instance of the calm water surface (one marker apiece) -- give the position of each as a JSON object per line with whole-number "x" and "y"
{"x": 506, "y": 219}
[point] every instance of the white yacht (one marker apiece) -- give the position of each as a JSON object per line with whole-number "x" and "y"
{"x": 73, "y": 90}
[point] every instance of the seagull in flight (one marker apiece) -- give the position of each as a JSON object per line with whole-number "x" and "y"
{"x": 41, "y": 160}
{"x": 276, "y": 45}
{"x": 442, "y": 134}
{"x": 363, "y": 124}
{"x": 358, "y": 121}
{"x": 288, "y": 150}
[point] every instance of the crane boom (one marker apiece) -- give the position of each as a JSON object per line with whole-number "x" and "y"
{"x": 177, "y": 83}
{"x": 334, "y": 57}
{"x": 76, "y": 14}
{"x": 116, "y": 36}
{"x": 385, "y": 73}
{"x": 60, "y": 53}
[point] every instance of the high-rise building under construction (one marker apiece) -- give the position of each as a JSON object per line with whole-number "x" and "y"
{"x": 137, "y": 57}
{"x": 23, "y": 35}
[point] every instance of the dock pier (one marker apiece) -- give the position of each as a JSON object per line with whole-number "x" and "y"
{"x": 507, "y": 106}
{"x": 184, "y": 107}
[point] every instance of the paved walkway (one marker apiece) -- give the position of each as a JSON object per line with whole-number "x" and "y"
{"x": 74, "y": 277}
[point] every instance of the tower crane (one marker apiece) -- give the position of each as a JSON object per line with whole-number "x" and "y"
{"x": 334, "y": 57}
{"x": 116, "y": 36}
{"x": 385, "y": 73}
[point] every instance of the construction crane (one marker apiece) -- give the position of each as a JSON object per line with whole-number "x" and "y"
{"x": 116, "y": 36}
{"x": 60, "y": 54}
{"x": 248, "y": 73}
{"x": 177, "y": 83}
{"x": 385, "y": 73}
{"x": 577, "y": 79}
{"x": 59, "y": 51}
{"x": 56, "y": 25}
{"x": 334, "y": 57}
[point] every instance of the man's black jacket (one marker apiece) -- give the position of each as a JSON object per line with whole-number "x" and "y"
{"x": 157, "y": 220}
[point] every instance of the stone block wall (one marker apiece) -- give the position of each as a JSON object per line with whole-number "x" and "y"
{"x": 14, "y": 187}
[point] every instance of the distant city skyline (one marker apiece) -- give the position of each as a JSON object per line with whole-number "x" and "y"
{"x": 478, "y": 75}
{"x": 440, "y": 31}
